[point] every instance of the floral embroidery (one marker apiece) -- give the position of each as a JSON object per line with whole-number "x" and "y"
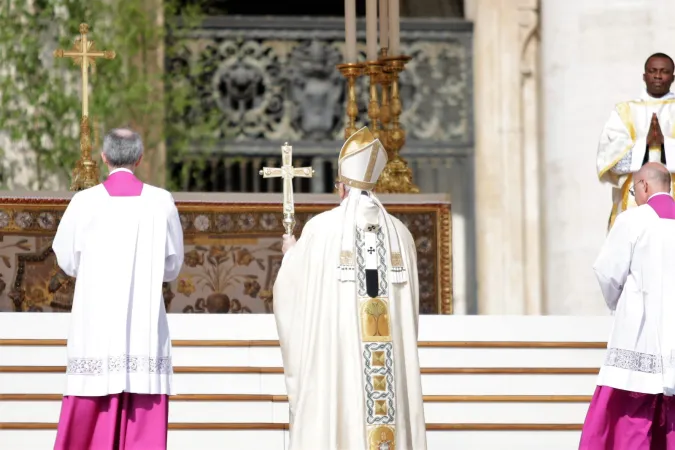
{"x": 184, "y": 222}
{"x": 4, "y": 219}
{"x": 23, "y": 219}
{"x": 46, "y": 220}
{"x": 224, "y": 222}
{"x": 246, "y": 222}
{"x": 269, "y": 221}
{"x": 185, "y": 286}
{"x": 202, "y": 222}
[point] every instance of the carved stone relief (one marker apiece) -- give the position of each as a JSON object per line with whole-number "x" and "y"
{"x": 286, "y": 86}
{"x": 316, "y": 89}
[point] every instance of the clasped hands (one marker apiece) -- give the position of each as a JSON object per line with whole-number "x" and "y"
{"x": 654, "y": 135}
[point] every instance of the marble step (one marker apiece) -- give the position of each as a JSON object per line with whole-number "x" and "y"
{"x": 238, "y": 353}
{"x": 27, "y": 408}
{"x": 223, "y": 380}
{"x": 278, "y": 439}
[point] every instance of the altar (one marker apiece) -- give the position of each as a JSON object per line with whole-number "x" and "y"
{"x": 232, "y": 250}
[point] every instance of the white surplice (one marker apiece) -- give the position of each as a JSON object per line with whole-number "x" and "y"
{"x": 120, "y": 249}
{"x": 623, "y": 144}
{"x": 636, "y": 272}
{"x": 344, "y": 389}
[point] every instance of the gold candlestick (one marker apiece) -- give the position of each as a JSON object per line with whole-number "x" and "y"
{"x": 374, "y": 71}
{"x": 385, "y": 110}
{"x": 84, "y": 54}
{"x": 351, "y": 71}
{"x": 397, "y": 176}
{"x": 90, "y": 174}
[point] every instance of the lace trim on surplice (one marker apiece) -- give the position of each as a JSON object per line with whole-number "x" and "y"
{"x": 121, "y": 363}
{"x": 636, "y": 361}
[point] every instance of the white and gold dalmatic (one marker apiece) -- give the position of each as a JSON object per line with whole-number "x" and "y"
{"x": 346, "y": 305}
{"x": 623, "y": 144}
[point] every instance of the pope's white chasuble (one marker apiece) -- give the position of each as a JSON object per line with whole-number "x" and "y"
{"x": 349, "y": 333}
{"x": 622, "y": 149}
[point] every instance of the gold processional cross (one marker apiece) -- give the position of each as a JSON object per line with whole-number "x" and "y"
{"x": 287, "y": 172}
{"x": 84, "y": 54}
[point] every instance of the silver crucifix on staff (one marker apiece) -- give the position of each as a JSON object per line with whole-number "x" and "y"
{"x": 287, "y": 172}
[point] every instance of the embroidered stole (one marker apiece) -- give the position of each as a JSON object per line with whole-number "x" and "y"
{"x": 373, "y": 270}
{"x": 378, "y": 352}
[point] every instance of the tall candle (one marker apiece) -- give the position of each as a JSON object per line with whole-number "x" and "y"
{"x": 394, "y": 28}
{"x": 371, "y": 30}
{"x": 350, "y": 31}
{"x": 384, "y": 23}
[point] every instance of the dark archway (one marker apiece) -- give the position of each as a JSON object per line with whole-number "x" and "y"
{"x": 409, "y": 8}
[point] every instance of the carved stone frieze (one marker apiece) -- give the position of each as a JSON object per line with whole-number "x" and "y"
{"x": 275, "y": 79}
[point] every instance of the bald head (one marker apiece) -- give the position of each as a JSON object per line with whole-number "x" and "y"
{"x": 655, "y": 174}
{"x": 122, "y": 132}
{"x": 652, "y": 178}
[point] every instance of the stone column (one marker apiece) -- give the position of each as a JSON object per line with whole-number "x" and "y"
{"x": 507, "y": 161}
{"x": 470, "y": 9}
{"x": 529, "y": 43}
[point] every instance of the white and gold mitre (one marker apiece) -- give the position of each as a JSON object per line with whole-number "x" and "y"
{"x": 361, "y": 161}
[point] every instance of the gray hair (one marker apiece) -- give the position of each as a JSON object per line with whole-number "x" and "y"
{"x": 122, "y": 147}
{"x": 349, "y": 188}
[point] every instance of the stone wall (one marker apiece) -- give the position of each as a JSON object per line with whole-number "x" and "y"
{"x": 508, "y": 163}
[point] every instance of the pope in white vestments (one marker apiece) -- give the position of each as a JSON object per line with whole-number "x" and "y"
{"x": 633, "y": 406}
{"x": 121, "y": 240}
{"x": 346, "y": 303}
{"x": 637, "y": 132}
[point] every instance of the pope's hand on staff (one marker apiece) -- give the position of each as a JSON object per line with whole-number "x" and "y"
{"x": 289, "y": 241}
